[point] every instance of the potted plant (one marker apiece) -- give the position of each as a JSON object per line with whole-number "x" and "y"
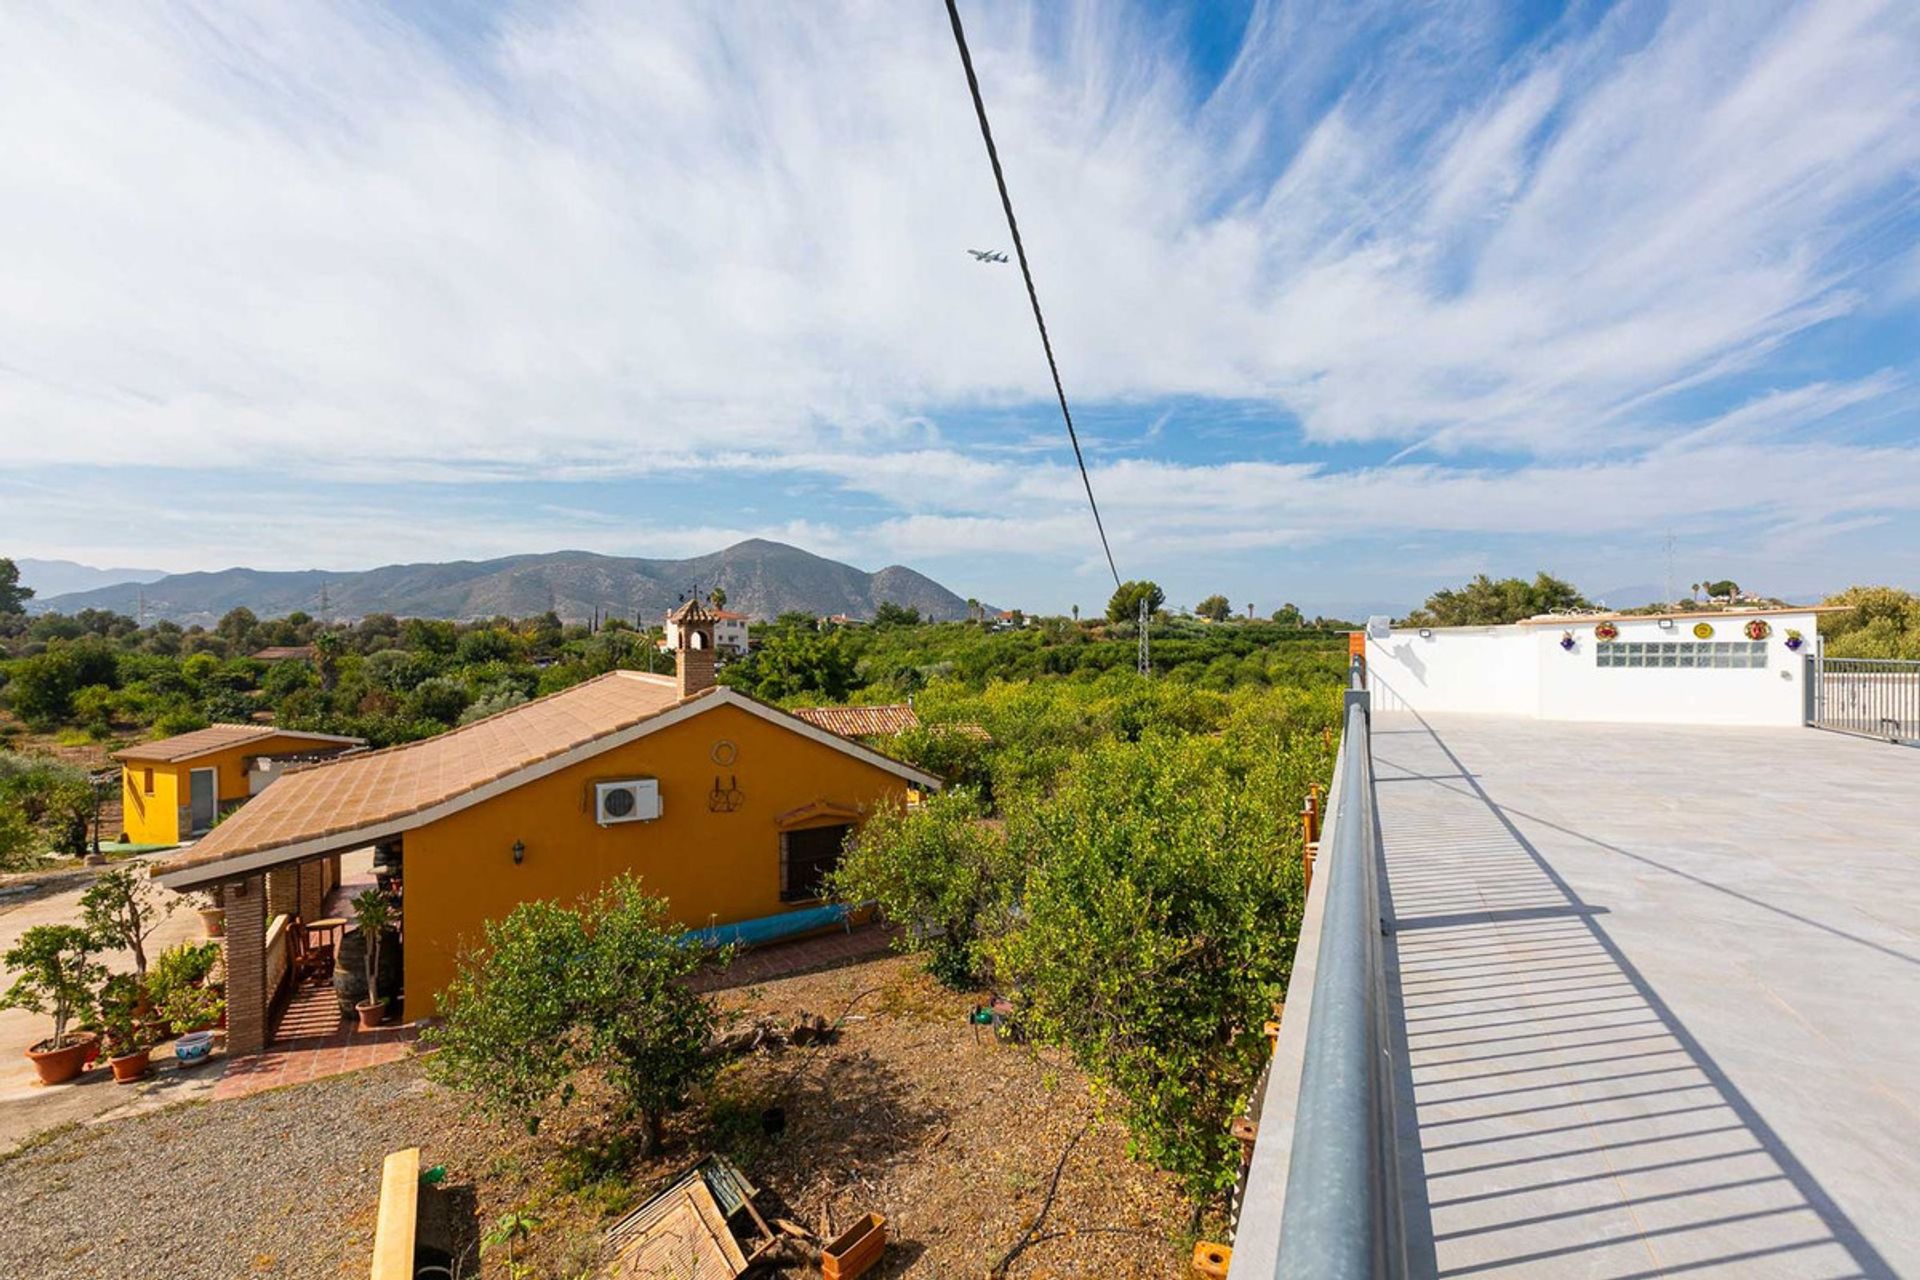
{"x": 213, "y": 916}
{"x": 374, "y": 913}
{"x": 180, "y": 990}
{"x": 121, "y": 909}
{"x": 123, "y": 1002}
{"x": 57, "y": 976}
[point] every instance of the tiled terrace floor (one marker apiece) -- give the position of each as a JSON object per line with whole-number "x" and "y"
{"x": 1660, "y": 994}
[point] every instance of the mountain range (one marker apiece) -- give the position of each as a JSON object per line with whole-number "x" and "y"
{"x": 59, "y": 577}
{"x": 761, "y": 578}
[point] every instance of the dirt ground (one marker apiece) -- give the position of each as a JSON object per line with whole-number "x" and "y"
{"x": 909, "y": 1112}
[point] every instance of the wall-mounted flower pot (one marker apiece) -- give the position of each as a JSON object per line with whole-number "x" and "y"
{"x": 214, "y": 920}
{"x": 856, "y": 1249}
{"x": 129, "y": 1067}
{"x": 57, "y": 1066}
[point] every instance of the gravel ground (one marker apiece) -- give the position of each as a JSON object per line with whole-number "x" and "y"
{"x": 910, "y": 1113}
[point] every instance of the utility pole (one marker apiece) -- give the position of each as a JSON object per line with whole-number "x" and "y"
{"x": 1668, "y": 601}
{"x": 1146, "y": 657}
{"x": 141, "y": 608}
{"x": 323, "y": 602}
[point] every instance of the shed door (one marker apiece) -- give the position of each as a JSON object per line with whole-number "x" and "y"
{"x": 201, "y": 802}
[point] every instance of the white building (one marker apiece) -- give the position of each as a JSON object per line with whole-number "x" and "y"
{"x": 729, "y": 632}
{"x": 1739, "y": 667}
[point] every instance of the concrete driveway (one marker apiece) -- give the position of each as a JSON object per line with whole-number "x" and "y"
{"x": 27, "y": 1106}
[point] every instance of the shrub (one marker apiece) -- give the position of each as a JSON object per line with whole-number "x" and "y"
{"x": 555, "y": 991}
{"x": 177, "y": 986}
{"x": 942, "y": 870}
{"x": 1158, "y": 927}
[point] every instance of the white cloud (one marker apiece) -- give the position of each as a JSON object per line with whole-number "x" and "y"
{"x": 612, "y": 240}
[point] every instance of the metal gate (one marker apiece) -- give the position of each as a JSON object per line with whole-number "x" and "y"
{"x": 1873, "y": 697}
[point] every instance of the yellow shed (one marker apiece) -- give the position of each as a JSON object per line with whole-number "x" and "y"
{"x": 729, "y": 808}
{"x": 177, "y": 787}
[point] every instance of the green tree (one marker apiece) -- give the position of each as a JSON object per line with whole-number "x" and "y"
{"x": 1124, "y": 604}
{"x": 122, "y": 909}
{"x": 890, "y": 614}
{"x": 1289, "y": 615}
{"x": 1486, "y": 603}
{"x": 794, "y": 664}
{"x": 1158, "y": 924}
{"x": 56, "y": 975}
{"x": 1214, "y": 609}
{"x": 1879, "y": 622}
{"x": 555, "y": 991}
{"x": 40, "y": 689}
{"x": 942, "y": 871}
{"x": 1725, "y": 588}
{"x": 13, "y": 596}
{"x": 236, "y": 628}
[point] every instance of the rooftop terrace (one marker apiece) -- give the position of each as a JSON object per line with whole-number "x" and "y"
{"x": 1651, "y": 1003}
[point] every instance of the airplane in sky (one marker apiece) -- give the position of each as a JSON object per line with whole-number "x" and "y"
{"x": 987, "y": 255}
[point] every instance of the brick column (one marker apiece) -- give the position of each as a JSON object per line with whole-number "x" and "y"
{"x": 281, "y": 893}
{"x": 246, "y": 904}
{"x": 313, "y": 889}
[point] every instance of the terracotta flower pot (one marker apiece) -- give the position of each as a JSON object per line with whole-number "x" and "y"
{"x": 129, "y": 1067}
{"x": 57, "y": 1066}
{"x": 214, "y": 920}
{"x": 372, "y": 1014}
{"x": 855, "y": 1249}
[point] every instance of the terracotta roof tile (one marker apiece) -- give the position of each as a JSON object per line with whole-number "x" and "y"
{"x": 216, "y": 737}
{"x": 862, "y": 722}
{"x": 358, "y": 792}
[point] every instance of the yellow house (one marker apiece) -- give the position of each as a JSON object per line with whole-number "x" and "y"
{"x": 727, "y": 807}
{"x": 176, "y": 787}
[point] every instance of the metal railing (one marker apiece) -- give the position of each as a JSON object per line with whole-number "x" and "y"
{"x": 1341, "y": 1219}
{"x": 1873, "y": 697}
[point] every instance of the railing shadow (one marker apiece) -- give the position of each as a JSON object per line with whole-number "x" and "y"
{"x": 1565, "y": 1120}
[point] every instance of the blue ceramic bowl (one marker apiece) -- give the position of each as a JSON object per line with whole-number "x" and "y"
{"x": 193, "y": 1046}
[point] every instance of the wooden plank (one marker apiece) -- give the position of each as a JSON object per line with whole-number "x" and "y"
{"x": 399, "y": 1215}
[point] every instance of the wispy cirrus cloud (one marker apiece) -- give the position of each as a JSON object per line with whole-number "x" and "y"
{"x": 1481, "y": 274}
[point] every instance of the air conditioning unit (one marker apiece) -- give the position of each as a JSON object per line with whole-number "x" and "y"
{"x": 635, "y": 801}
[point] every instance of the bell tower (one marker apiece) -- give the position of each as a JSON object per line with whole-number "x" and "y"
{"x": 692, "y": 647}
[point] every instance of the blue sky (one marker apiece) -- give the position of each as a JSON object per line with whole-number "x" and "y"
{"x": 1352, "y": 300}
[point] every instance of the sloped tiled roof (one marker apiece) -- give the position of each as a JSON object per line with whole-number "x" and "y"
{"x": 862, "y": 722}
{"x": 284, "y": 652}
{"x": 365, "y": 791}
{"x": 216, "y": 737}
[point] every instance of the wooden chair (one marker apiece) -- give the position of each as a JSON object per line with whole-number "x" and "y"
{"x": 310, "y": 961}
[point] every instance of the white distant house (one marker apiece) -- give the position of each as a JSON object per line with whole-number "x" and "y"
{"x": 1741, "y": 666}
{"x": 729, "y": 632}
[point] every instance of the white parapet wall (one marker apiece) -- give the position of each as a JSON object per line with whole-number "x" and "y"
{"x": 1655, "y": 670}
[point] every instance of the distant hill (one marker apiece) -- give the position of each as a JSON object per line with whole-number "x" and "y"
{"x": 58, "y": 577}
{"x": 761, "y": 578}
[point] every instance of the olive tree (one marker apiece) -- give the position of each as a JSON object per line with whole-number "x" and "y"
{"x": 555, "y": 990}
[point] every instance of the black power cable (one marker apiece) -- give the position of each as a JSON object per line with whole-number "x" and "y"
{"x": 1033, "y": 296}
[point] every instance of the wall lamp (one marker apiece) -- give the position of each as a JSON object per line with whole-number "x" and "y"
{"x": 519, "y": 853}
{"x": 1666, "y": 624}
{"x": 1426, "y": 633}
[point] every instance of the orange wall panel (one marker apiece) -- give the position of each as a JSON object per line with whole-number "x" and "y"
{"x": 715, "y": 868}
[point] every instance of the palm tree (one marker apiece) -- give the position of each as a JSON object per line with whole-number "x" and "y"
{"x": 719, "y": 597}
